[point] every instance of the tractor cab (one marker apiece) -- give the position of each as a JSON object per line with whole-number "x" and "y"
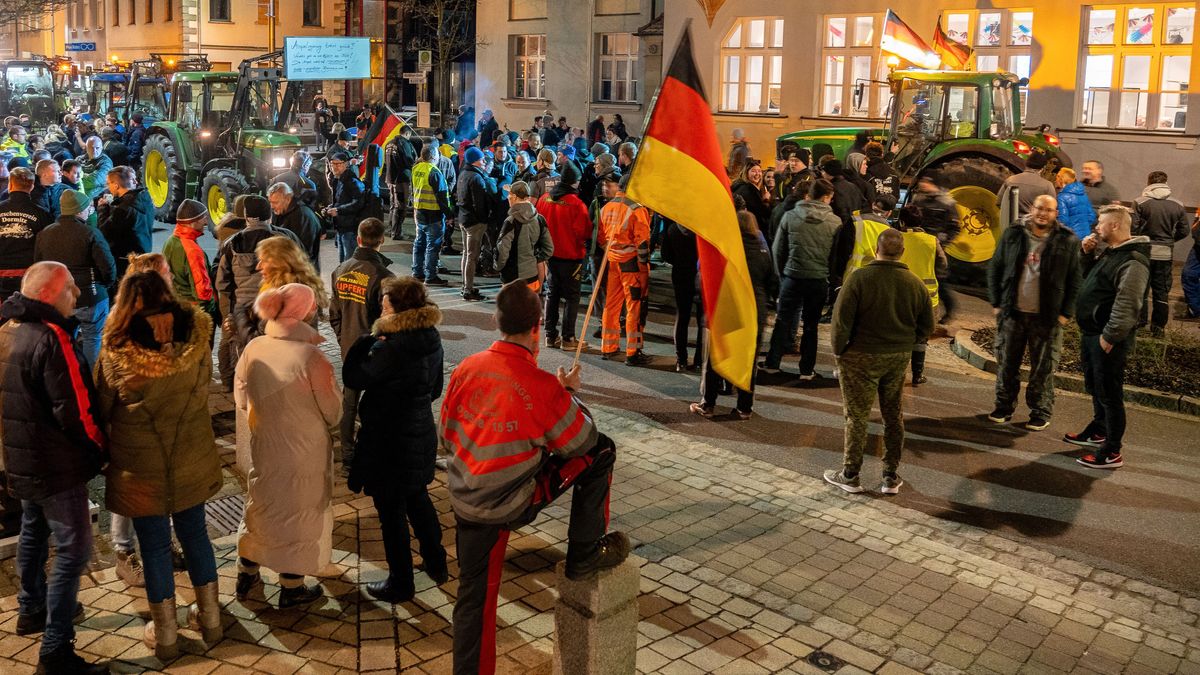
{"x": 109, "y": 92}
{"x": 27, "y": 87}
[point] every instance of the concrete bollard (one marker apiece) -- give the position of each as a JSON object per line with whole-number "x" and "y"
{"x": 595, "y": 622}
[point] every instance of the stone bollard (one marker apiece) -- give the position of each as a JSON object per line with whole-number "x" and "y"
{"x": 595, "y": 622}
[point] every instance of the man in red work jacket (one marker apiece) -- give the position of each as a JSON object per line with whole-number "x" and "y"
{"x": 626, "y": 225}
{"x": 570, "y": 228}
{"x": 519, "y": 438}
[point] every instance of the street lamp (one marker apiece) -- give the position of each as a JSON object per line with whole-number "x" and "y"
{"x": 893, "y": 62}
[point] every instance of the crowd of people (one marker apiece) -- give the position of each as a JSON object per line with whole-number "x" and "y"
{"x": 107, "y": 345}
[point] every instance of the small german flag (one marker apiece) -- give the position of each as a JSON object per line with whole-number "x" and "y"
{"x": 680, "y": 173}
{"x": 954, "y": 54}
{"x": 386, "y": 126}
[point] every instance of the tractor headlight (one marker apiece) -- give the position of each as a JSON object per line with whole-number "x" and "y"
{"x": 278, "y": 162}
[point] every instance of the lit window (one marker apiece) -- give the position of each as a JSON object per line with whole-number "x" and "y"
{"x": 850, "y": 58}
{"x": 529, "y": 66}
{"x": 752, "y": 66}
{"x": 1137, "y": 66}
{"x": 1002, "y": 40}
{"x": 618, "y": 81}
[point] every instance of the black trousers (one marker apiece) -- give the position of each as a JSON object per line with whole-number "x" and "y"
{"x": 1104, "y": 379}
{"x": 401, "y": 194}
{"x": 563, "y": 281}
{"x": 398, "y": 509}
{"x": 687, "y": 302}
{"x": 481, "y": 548}
{"x": 1159, "y": 308}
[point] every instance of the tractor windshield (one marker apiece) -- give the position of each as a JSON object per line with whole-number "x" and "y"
{"x": 30, "y": 79}
{"x": 263, "y": 104}
{"x": 1002, "y": 111}
{"x": 148, "y": 100}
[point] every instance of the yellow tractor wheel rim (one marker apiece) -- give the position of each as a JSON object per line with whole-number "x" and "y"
{"x": 980, "y": 224}
{"x": 217, "y": 206}
{"x": 157, "y": 180}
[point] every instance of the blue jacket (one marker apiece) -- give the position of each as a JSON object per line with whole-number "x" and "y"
{"x": 1075, "y": 210}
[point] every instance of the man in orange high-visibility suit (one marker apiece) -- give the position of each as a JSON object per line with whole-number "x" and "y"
{"x": 626, "y": 226}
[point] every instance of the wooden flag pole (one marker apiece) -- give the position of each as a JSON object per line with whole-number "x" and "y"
{"x": 587, "y": 317}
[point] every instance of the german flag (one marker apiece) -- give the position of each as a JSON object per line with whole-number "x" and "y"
{"x": 954, "y": 54}
{"x": 680, "y": 173}
{"x": 904, "y": 42}
{"x": 386, "y": 126}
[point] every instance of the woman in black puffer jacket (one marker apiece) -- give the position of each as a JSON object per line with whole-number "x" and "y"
{"x": 398, "y": 369}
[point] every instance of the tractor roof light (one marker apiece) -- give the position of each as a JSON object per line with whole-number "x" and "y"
{"x": 1052, "y": 140}
{"x": 1021, "y": 148}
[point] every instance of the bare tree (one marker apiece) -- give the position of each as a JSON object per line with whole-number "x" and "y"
{"x": 20, "y": 14}
{"x": 449, "y": 32}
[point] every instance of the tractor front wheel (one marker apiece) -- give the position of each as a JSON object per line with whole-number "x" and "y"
{"x": 163, "y": 176}
{"x": 219, "y": 189}
{"x": 974, "y": 183}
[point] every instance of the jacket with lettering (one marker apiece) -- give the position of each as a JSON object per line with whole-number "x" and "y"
{"x": 50, "y": 425}
{"x": 20, "y": 222}
{"x": 501, "y": 417}
{"x": 84, "y": 251}
{"x": 356, "y": 299}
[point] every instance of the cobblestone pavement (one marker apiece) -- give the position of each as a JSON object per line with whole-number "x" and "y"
{"x": 749, "y": 568}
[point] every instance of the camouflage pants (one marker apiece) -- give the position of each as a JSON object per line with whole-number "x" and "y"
{"x": 861, "y": 377}
{"x": 1017, "y": 333}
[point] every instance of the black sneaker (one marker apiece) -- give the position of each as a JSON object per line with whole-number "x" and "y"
{"x": 610, "y": 551}
{"x": 442, "y": 269}
{"x": 638, "y": 358}
{"x": 473, "y": 295}
{"x": 1098, "y": 462}
{"x": 246, "y": 584}
{"x": 1085, "y": 439}
{"x": 436, "y": 281}
{"x": 769, "y": 370}
{"x": 1037, "y": 423}
{"x": 999, "y": 416}
{"x": 919, "y": 379}
{"x": 30, "y": 624}
{"x": 64, "y": 661}
{"x": 419, "y": 277}
{"x": 388, "y": 591}
{"x": 299, "y": 595}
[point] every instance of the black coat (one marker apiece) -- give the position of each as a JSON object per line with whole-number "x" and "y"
{"x": 754, "y": 203}
{"x": 1061, "y": 275}
{"x": 399, "y": 370}
{"x": 128, "y": 225}
{"x": 84, "y": 251}
{"x": 349, "y": 199}
{"x": 302, "y": 222}
{"x": 475, "y": 196}
{"x": 50, "y": 430}
{"x": 20, "y": 222}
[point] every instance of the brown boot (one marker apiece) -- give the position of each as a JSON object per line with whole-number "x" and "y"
{"x": 162, "y": 631}
{"x": 205, "y": 615}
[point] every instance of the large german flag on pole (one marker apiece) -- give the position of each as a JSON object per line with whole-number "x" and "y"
{"x": 386, "y": 126}
{"x": 680, "y": 173}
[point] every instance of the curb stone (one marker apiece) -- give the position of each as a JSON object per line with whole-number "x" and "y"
{"x": 965, "y": 348}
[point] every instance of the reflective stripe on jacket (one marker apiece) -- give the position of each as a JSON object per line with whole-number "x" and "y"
{"x": 424, "y": 192}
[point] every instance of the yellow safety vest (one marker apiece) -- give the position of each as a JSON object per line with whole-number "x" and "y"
{"x": 424, "y": 196}
{"x": 920, "y": 252}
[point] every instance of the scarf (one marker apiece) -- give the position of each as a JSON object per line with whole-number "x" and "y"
{"x": 197, "y": 264}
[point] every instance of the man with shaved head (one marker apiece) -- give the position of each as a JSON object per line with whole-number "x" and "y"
{"x": 882, "y": 312}
{"x": 1033, "y": 280}
{"x": 52, "y": 447}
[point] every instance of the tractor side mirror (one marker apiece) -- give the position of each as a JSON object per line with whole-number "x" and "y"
{"x": 860, "y": 90}
{"x": 185, "y": 93}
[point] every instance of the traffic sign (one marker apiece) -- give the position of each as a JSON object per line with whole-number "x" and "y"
{"x": 425, "y": 60}
{"x": 81, "y": 46}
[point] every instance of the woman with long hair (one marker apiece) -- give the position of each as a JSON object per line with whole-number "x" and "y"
{"x": 398, "y": 368}
{"x": 751, "y": 186}
{"x": 281, "y": 261}
{"x": 286, "y": 387}
{"x": 152, "y": 382}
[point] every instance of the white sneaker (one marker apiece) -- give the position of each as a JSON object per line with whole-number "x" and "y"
{"x": 891, "y": 484}
{"x": 129, "y": 569}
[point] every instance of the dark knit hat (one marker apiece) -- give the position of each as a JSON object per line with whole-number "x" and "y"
{"x": 191, "y": 213}
{"x": 73, "y": 202}
{"x": 345, "y": 136}
{"x": 339, "y": 156}
{"x": 570, "y": 173}
{"x": 568, "y": 151}
{"x": 599, "y": 149}
{"x": 258, "y": 207}
{"x": 472, "y": 155}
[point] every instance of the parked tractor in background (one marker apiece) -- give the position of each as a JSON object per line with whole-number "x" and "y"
{"x": 225, "y": 134}
{"x": 962, "y": 128}
{"x": 27, "y": 87}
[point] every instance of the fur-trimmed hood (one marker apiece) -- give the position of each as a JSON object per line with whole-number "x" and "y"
{"x": 412, "y": 319}
{"x": 132, "y": 360}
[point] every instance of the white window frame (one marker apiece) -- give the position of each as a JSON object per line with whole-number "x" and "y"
{"x": 529, "y": 62}
{"x": 875, "y": 96}
{"x": 610, "y": 61}
{"x": 736, "y": 70}
{"x": 1157, "y": 51}
{"x": 1006, "y": 53}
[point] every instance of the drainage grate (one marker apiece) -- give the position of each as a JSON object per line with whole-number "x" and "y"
{"x": 224, "y": 515}
{"x": 826, "y": 662}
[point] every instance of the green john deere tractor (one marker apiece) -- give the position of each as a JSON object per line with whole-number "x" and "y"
{"x": 962, "y": 127}
{"x": 225, "y": 134}
{"x": 27, "y": 87}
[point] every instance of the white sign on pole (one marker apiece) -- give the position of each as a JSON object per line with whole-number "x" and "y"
{"x": 425, "y": 60}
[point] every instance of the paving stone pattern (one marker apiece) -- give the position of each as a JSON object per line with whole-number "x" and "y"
{"x": 750, "y": 569}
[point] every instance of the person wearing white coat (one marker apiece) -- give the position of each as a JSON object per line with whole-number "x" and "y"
{"x": 287, "y": 388}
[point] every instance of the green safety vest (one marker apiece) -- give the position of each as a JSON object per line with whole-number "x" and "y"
{"x": 920, "y": 252}
{"x": 424, "y": 196}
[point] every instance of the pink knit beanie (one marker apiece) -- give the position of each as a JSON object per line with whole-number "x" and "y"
{"x": 290, "y": 301}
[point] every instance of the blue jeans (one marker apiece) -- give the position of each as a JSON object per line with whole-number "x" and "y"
{"x": 799, "y": 300}
{"x": 428, "y": 244}
{"x": 64, "y": 515}
{"x": 91, "y": 324}
{"x": 346, "y": 243}
{"x": 154, "y": 536}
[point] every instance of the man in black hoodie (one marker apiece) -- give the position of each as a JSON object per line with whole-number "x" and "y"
{"x": 354, "y": 304}
{"x": 20, "y": 222}
{"x": 1163, "y": 219}
{"x": 475, "y": 197}
{"x": 126, "y": 217}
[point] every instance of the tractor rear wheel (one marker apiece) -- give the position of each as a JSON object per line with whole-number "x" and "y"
{"x": 974, "y": 181}
{"x": 164, "y": 178}
{"x": 220, "y": 188}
